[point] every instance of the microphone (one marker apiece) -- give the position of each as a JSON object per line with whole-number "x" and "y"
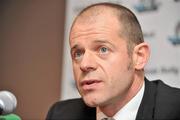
{"x": 1, "y": 111}
{"x": 8, "y": 102}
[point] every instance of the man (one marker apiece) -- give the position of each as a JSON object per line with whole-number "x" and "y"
{"x": 109, "y": 55}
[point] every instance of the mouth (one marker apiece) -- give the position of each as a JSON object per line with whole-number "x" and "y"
{"x": 90, "y": 84}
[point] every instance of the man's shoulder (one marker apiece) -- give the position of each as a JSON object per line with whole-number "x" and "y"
{"x": 160, "y": 101}
{"x": 166, "y": 89}
{"x": 167, "y": 101}
{"x": 165, "y": 92}
{"x": 70, "y": 109}
{"x": 70, "y": 104}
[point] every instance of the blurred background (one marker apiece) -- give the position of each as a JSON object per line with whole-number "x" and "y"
{"x": 31, "y": 45}
{"x": 35, "y": 63}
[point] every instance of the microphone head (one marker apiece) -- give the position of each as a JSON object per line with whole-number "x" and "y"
{"x": 8, "y": 102}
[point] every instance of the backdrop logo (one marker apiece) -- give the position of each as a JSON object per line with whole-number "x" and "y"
{"x": 175, "y": 39}
{"x": 146, "y": 5}
{"x": 148, "y": 34}
{"x": 176, "y": 0}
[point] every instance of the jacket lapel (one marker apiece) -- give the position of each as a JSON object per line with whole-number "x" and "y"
{"x": 147, "y": 106}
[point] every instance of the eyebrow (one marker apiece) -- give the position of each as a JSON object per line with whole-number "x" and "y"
{"x": 74, "y": 47}
{"x": 103, "y": 41}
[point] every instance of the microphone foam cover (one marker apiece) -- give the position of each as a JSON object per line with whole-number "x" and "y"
{"x": 8, "y": 102}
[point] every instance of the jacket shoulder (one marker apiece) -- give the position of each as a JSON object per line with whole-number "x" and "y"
{"x": 167, "y": 101}
{"x": 70, "y": 109}
{"x": 164, "y": 90}
{"x": 68, "y": 104}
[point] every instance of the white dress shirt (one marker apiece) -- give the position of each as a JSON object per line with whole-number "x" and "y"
{"x": 129, "y": 111}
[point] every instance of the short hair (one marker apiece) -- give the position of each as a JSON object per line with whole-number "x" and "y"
{"x": 131, "y": 29}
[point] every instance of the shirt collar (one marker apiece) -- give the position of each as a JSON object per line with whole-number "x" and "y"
{"x": 129, "y": 111}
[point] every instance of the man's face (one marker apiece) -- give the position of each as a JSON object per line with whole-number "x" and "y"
{"x": 102, "y": 68}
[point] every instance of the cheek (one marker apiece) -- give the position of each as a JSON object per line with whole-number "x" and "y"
{"x": 117, "y": 71}
{"x": 115, "y": 65}
{"x": 76, "y": 72}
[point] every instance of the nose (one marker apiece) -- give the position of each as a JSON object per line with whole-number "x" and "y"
{"x": 88, "y": 62}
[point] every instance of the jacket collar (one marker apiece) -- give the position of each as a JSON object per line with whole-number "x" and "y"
{"x": 147, "y": 106}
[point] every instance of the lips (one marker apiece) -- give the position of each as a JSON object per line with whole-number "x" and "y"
{"x": 90, "y": 84}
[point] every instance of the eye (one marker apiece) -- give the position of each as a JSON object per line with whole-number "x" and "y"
{"x": 103, "y": 50}
{"x": 77, "y": 54}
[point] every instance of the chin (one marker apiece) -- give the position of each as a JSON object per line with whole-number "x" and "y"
{"x": 89, "y": 100}
{"x": 92, "y": 102}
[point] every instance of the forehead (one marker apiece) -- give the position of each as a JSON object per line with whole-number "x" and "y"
{"x": 99, "y": 24}
{"x": 93, "y": 12}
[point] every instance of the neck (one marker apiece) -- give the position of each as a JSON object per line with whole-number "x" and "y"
{"x": 112, "y": 108}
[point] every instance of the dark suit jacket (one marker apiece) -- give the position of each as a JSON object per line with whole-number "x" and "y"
{"x": 160, "y": 102}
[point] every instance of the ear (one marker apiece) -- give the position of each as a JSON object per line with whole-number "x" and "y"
{"x": 141, "y": 55}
